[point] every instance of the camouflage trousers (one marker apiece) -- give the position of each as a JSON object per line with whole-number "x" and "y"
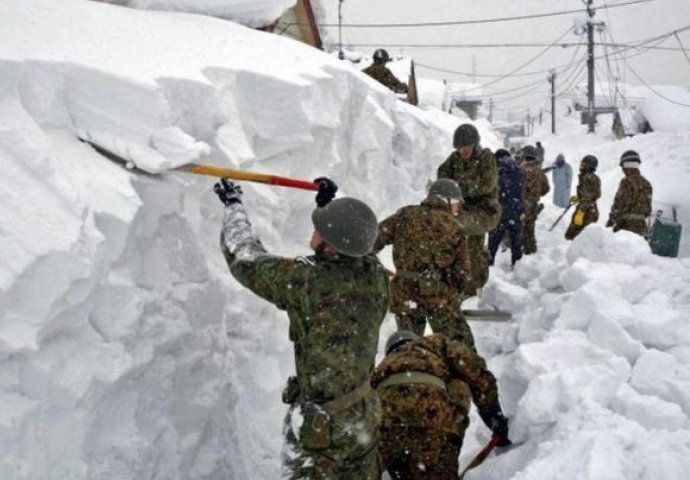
{"x": 529, "y": 239}
{"x": 411, "y": 453}
{"x": 479, "y": 260}
{"x": 591, "y": 216}
{"x": 450, "y": 324}
{"x": 342, "y": 448}
{"x": 636, "y": 226}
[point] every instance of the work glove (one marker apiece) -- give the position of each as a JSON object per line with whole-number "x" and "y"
{"x": 228, "y": 192}
{"x": 573, "y": 199}
{"x": 327, "y": 190}
{"x": 609, "y": 223}
{"x": 498, "y": 424}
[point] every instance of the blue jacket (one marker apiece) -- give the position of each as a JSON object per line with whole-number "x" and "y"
{"x": 510, "y": 181}
{"x": 562, "y": 180}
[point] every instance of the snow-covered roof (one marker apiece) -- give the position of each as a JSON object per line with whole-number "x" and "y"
{"x": 470, "y": 92}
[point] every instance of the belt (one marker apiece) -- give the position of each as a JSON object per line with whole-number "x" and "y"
{"x": 634, "y": 216}
{"x": 347, "y": 400}
{"x": 406, "y": 378}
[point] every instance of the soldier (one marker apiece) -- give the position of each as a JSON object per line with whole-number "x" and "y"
{"x": 633, "y": 202}
{"x": 336, "y": 300}
{"x": 476, "y": 172}
{"x": 588, "y": 192}
{"x": 425, "y": 385}
{"x": 536, "y": 186}
{"x": 510, "y": 185}
{"x": 432, "y": 262}
{"x": 379, "y": 72}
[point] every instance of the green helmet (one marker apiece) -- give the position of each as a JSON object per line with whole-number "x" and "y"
{"x": 465, "y": 135}
{"x": 529, "y": 153}
{"x": 381, "y": 56}
{"x": 591, "y": 161}
{"x": 446, "y": 190}
{"x": 398, "y": 338}
{"x": 347, "y": 224}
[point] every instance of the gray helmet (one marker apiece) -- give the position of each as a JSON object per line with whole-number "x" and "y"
{"x": 591, "y": 161}
{"x": 381, "y": 56}
{"x": 465, "y": 135}
{"x": 446, "y": 190}
{"x": 630, "y": 156}
{"x": 398, "y": 338}
{"x": 529, "y": 153}
{"x": 347, "y": 224}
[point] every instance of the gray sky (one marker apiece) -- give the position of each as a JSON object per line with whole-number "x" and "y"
{"x": 626, "y": 24}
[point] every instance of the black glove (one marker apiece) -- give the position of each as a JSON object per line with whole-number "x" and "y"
{"x": 490, "y": 206}
{"x": 326, "y": 193}
{"x": 609, "y": 223}
{"x": 228, "y": 192}
{"x": 498, "y": 424}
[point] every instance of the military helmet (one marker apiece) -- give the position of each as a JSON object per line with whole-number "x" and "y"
{"x": 591, "y": 161}
{"x": 529, "y": 152}
{"x": 630, "y": 156}
{"x": 447, "y": 190}
{"x": 381, "y": 56}
{"x": 347, "y": 224}
{"x": 398, "y": 338}
{"x": 465, "y": 135}
{"x": 502, "y": 152}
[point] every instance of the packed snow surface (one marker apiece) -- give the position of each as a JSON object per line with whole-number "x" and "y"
{"x": 127, "y": 350}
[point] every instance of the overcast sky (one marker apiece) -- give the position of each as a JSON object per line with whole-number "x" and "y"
{"x": 625, "y": 24}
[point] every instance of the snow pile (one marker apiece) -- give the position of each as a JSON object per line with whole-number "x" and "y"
{"x": 252, "y": 13}
{"x": 595, "y": 370}
{"x": 667, "y": 108}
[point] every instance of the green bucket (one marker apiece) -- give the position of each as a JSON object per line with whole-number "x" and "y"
{"x": 665, "y": 237}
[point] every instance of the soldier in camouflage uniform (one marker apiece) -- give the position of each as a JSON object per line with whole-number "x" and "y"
{"x": 379, "y": 72}
{"x": 425, "y": 385}
{"x": 588, "y": 192}
{"x": 476, "y": 171}
{"x": 536, "y": 186}
{"x": 431, "y": 260}
{"x": 633, "y": 202}
{"x": 335, "y": 301}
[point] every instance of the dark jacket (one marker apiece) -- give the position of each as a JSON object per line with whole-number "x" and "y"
{"x": 511, "y": 180}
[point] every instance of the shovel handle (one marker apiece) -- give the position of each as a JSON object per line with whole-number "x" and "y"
{"x": 235, "y": 174}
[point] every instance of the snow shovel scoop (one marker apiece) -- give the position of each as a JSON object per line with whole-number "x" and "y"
{"x": 484, "y": 453}
{"x": 211, "y": 170}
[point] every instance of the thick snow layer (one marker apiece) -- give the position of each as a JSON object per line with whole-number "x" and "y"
{"x": 127, "y": 351}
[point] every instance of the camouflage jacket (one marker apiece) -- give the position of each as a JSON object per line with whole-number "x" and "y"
{"x": 428, "y": 242}
{"x": 588, "y": 191}
{"x": 335, "y": 305}
{"x": 634, "y": 197}
{"x": 428, "y": 406}
{"x": 384, "y": 76}
{"x": 536, "y": 186}
{"x": 477, "y": 177}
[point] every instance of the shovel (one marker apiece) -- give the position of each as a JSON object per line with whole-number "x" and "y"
{"x": 222, "y": 172}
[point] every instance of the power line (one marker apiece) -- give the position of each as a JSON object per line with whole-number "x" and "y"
{"x": 473, "y": 22}
{"x": 498, "y": 45}
{"x": 681, "y": 46}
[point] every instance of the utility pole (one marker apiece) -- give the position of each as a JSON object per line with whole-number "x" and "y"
{"x": 552, "y": 79}
{"x": 529, "y": 133}
{"x": 590, "y": 68}
{"x": 341, "y": 54}
{"x": 491, "y": 110}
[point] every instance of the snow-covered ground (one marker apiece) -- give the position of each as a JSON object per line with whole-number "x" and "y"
{"x": 128, "y": 352}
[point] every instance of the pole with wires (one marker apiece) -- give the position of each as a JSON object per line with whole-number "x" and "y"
{"x": 341, "y": 54}
{"x": 590, "y": 69}
{"x": 552, "y": 80}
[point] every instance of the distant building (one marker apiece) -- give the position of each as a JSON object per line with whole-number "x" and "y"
{"x": 463, "y": 96}
{"x": 299, "y": 22}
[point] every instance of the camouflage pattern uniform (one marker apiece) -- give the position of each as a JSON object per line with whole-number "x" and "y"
{"x": 432, "y": 262}
{"x": 478, "y": 179}
{"x": 588, "y": 192}
{"x": 424, "y": 424}
{"x": 335, "y": 305}
{"x": 536, "y": 186}
{"x": 632, "y": 204}
{"x": 383, "y": 75}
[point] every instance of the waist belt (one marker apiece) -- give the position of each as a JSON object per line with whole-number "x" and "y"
{"x": 634, "y": 216}
{"x": 347, "y": 400}
{"x": 406, "y": 378}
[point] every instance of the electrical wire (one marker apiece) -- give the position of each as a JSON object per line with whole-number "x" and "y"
{"x": 682, "y": 47}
